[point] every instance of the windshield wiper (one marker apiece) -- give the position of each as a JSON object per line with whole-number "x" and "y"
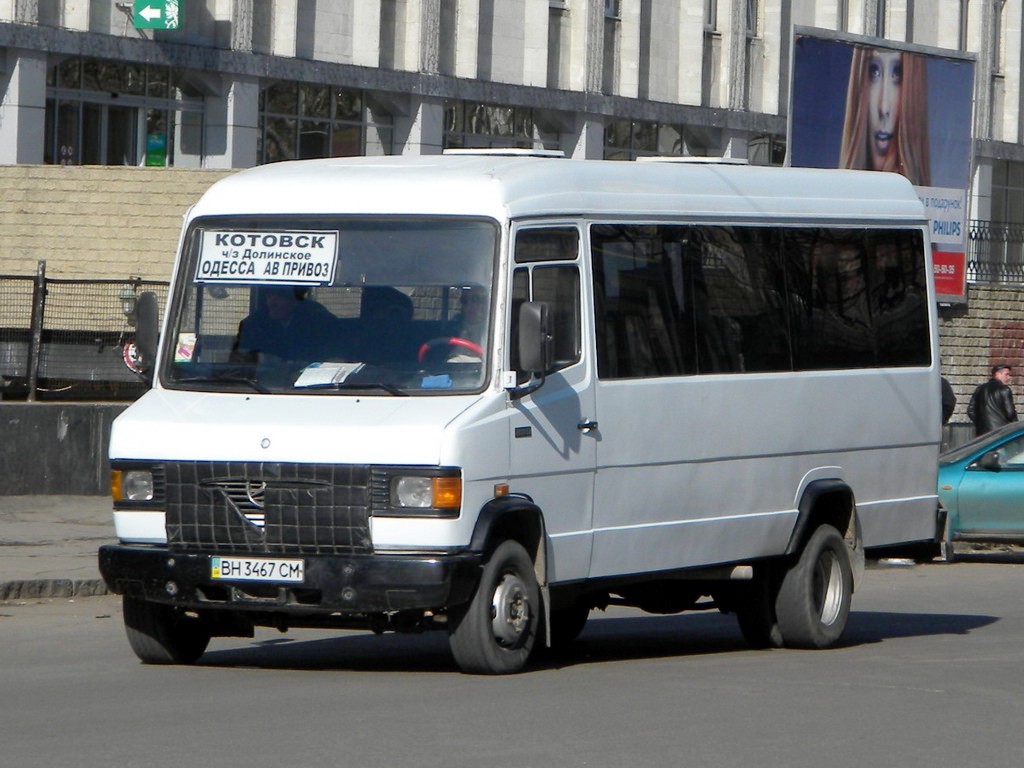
{"x": 252, "y": 383}
{"x": 337, "y": 386}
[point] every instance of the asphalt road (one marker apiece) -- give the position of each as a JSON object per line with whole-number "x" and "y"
{"x": 931, "y": 674}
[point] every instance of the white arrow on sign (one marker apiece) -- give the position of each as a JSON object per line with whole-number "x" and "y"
{"x": 149, "y": 13}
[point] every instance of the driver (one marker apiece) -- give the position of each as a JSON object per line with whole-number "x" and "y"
{"x": 468, "y": 332}
{"x": 287, "y": 325}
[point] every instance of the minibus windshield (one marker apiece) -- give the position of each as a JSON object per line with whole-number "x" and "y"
{"x": 389, "y": 306}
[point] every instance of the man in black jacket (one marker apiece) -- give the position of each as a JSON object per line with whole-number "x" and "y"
{"x": 991, "y": 404}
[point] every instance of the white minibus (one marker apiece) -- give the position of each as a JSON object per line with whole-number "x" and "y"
{"x": 489, "y": 394}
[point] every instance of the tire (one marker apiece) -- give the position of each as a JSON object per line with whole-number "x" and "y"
{"x": 494, "y": 633}
{"x": 567, "y": 623}
{"x": 814, "y": 597}
{"x": 158, "y": 634}
{"x": 755, "y": 611}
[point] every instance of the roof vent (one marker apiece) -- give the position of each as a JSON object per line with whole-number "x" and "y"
{"x": 506, "y": 152}
{"x": 694, "y": 159}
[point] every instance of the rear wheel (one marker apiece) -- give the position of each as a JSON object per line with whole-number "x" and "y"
{"x": 159, "y": 634}
{"x": 814, "y": 597}
{"x": 494, "y": 633}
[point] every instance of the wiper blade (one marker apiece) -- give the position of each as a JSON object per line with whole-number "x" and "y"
{"x": 252, "y": 383}
{"x": 337, "y": 386}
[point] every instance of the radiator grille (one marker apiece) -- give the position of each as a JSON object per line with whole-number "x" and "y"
{"x": 268, "y": 508}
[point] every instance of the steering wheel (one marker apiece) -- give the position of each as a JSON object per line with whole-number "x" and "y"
{"x": 451, "y": 341}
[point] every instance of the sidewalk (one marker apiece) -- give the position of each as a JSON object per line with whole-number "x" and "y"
{"x": 48, "y": 545}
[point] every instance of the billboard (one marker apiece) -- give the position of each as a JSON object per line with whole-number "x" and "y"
{"x": 872, "y": 104}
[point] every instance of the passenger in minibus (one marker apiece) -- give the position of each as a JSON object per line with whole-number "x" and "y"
{"x": 385, "y": 320}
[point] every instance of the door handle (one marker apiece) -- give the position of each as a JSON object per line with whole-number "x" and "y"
{"x": 586, "y": 427}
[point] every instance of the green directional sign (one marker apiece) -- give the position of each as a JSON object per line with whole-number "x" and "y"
{"x": 157, "y": 14}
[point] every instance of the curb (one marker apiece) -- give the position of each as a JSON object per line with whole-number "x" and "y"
{"x": 36, "y": 588}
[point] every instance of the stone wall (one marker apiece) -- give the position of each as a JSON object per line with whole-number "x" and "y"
{"x": 989, "y": 330}
{"x": 95, "y": 222}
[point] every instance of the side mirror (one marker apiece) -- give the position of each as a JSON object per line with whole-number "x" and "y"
{"x": 536, "y": 344}
{"x": 990, "y": 461}
{"x": 147, "y": 331}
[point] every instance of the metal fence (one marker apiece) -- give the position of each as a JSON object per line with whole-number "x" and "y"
{"x": 69, "y": 339}
{"x": 995, "y": 252}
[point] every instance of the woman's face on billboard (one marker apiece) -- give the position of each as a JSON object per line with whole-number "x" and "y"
{"x": 885, "y": 82}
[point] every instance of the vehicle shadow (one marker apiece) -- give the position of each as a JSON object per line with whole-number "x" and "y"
{"x": 605, "y": 639}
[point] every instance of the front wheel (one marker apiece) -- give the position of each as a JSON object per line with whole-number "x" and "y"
{"x": 813, "y": 602}
{"x": 159, "y": 634}
{"x": 494, "y": 633}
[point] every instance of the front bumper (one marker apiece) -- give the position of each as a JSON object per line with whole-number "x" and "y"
{"x": 347, "y": 584}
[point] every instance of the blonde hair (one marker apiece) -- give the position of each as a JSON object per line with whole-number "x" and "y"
{"x": 911, "y": 156}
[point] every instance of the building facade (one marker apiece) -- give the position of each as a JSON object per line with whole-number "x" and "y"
{"x": 244, "y": 82}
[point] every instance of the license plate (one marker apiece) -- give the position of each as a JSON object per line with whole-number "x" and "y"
{"x": 257, "y": 569}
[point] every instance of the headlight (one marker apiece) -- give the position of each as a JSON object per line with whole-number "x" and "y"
{"x": 407, "y": 492}
{"x": 132, "y": 485}
{"x": 426, "y": 492}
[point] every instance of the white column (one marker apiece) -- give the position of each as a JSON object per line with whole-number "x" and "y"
{"x": 468, "y": 20}
{"x": 421, "y": 132}
{"x": 366, "y": 33}
{"x": 284, "y": 26}
{"x": 588, "y": 143}
{"x": 23, "y": 107}
{"x": 76, "y": 14}
{"x": 535, "y": 42}
{"x": 232, "y": 125}
{"x": 689, "y": 61}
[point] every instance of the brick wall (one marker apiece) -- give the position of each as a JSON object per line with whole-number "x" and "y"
{"x": 95, "y": 222}
{"x": 989, "y": 330}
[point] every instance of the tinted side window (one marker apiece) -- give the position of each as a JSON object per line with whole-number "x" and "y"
{"x": 830, "y": 313}
{"x": 899, "y": 298}
{"x": 857, "y": 298}
{"x": 676, "y": 300}
{"x": 738, "y": 288}
{"x": 643, "y": 319}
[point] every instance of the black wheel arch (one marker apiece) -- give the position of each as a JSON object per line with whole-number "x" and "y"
{"x": 514, "y": 517}
{"x": 829, "y": 501}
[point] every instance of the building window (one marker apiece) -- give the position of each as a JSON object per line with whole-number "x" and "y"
{"x": 488, "y": 126}
{"x": 1007, "y": 216}
{"x": 610, "y": 61}
{"x": 303, "y": 120}
{"x": 629, "y": 139}
{"x": 709, "y": 54}
{"x": 102, "y": 112}
{"x": 766, "y": 150}
{"x": 750, "y": 70}
{"x": 558, "y": 44}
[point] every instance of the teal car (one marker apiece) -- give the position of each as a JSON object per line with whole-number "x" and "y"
{"x": 981, "y": 488}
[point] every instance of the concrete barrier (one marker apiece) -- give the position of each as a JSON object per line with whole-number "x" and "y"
{"x": 55, "y": 448}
